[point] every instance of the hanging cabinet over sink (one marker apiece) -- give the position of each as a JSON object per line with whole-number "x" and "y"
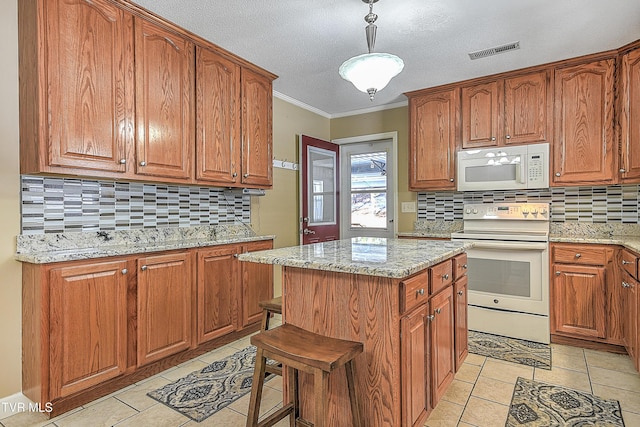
{"x": 108, "y": 90}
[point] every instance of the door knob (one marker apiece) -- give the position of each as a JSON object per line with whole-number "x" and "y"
{"x": 307, "y": 231}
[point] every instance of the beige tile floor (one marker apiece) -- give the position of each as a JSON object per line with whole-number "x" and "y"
{"x": 479, "y": 395}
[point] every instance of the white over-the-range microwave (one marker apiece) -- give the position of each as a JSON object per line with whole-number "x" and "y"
{"x": 503, "y": 168}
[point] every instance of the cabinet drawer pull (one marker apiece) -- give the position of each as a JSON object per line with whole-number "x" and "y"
{"x": 143, "y": 163}
{"x": 124, "y": 271}
{"x": 420, "y": 292}
{"x": 450, "y": 179}
{"x": 460, "y": 293}
{"x": 557, "y": 173}
{"x": 623, "y": 170}
{"x": 625, "y": 262}
{"x": 445, "y": 276}
{"x": 438, "y": 311}
{"x": 508, "y": 137}
{"x": 246, "y": 175}
{"x": 578, "y": 255}
{"x": 123, "y": 161}
{"x": 431, "y": 318}
{"x": 143, "y": 268}
{"x": 234, "y": 174}
{"x": 493, "y": 138}
{"x": 625, "y": 285}
{"x": 465, "y": 266}
{"x": 557, "y": 273}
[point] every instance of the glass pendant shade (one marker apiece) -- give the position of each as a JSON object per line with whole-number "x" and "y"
{"x": 371, "y": 72}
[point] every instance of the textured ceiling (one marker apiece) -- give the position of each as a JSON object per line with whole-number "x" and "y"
{"x": 304, "y": 42}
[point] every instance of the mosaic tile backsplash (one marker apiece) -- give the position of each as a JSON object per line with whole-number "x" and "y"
{"x": 616, "y": 203}
{"x": 60, "y": 205}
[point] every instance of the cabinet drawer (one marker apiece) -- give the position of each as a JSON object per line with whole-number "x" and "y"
{"x": 414, "y": 291}
{"x": 441, "y": 275}
{"x": 630, "y": 263}
{"x": 580, "y": 254}
{"x": 459, "y": 266}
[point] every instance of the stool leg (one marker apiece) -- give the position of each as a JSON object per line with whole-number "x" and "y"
{"x": 320, "y": 392}
{"x": 256, "y": 389}
{"x": 292, "y": 375}
{"x": 266, "y": 314}
{"x": 353, "y": 396}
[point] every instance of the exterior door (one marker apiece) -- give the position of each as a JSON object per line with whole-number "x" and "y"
{"x": 320, "y": 191}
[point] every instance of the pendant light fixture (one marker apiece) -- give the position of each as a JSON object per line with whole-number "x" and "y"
{"x": 371, "y": 72}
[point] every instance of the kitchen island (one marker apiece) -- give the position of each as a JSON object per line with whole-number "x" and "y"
{"x": 397, "y": 298}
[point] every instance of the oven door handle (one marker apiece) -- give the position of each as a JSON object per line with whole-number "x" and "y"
{"x": 522, "y": 246}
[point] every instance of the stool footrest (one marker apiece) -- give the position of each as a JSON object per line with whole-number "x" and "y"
{"x": 277, "y": 416}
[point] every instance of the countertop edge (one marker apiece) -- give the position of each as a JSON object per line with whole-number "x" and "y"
{"x": 123, "y": 250}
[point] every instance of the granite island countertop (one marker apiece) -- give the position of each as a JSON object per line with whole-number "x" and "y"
{"x": 49, "y": 248}
{"x": 395, "y": 258}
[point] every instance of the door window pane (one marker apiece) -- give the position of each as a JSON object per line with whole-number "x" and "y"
{"x": 369, "y": 190}
{"x": 322, "y": 186}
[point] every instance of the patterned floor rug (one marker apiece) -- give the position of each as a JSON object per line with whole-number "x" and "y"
{"x": 510, "y": 349}
{"x": 202, "y": 393}
{"x": 537, "y": 404}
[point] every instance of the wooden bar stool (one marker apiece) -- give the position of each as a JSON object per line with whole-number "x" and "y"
{"x": 301, "y": 350}
{"x": 268, "y": 308}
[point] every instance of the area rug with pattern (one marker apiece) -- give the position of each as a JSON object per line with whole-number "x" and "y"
{"x": 536, "y": 404}
{"x": 510, "y": 349}
{"x": 202, "y": 393}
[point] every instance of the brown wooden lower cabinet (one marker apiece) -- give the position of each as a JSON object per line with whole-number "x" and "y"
{"x": 631, "y": 304}
{"x": 415, "y": 366}
{"x": 442, "y": 329}
{"x": 460, "y": 289}
{"x": 93, "y": 326}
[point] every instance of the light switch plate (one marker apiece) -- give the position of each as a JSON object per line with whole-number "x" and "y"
{"x": 408, "y": 207}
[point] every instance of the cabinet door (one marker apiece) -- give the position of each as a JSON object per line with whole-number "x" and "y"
{"x": 89, "y": 85}
{"x": 630, "y": 116}
{"x": 461, "y": 322}
{"x": 164, "y": 306}
{"x": 415, "y": 367}
{"x": 88, "y": 321}
{"x": 257, "y": 163}
{"x": 217, "y": 118}
{"x": 527, "y": 108}
{"x": 442, "y": 343}
{"x": 480, "y": 115}
{"x": 578, "y": 303}
{"x": 257, "y": 283}
{"x": 433, "y": 120}
{"x": 217, "y": 292}
{"x": 630, "y": 307}
{"x": 585, "y": 151}
{"x": 164, "y": 102}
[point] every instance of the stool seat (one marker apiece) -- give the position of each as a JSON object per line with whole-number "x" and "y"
{"x": 306, "y": 348}
{"x": 301, "y": 350}
{"x": 273, "y": 305}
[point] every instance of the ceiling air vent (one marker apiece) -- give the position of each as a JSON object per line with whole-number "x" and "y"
{"x": 494, "y": 50}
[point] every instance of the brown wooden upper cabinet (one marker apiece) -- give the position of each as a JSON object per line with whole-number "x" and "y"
{"x": 218, "y": 151}
{"x": 514, "y": 110}
{"x": 629, "y": 87}
{"x": 257, "y": 118}
{"x": 107, "y": 94}
{"x": 433, "y": 119}
{"x": 164, "y": 102}
{"x": 585, "y": 150}
{"x": 76, "y": 87}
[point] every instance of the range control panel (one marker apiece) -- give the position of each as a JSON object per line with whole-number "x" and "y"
{"x": 520, "y": 211}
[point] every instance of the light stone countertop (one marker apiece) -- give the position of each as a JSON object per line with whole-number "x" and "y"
{"x": 49, "y": 248}
{"x": 395, "y": 258}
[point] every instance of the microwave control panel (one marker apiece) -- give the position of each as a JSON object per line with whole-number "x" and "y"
{"x": 536, "y": 171}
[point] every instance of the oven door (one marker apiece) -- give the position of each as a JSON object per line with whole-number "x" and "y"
{"x": 511, "y": 276}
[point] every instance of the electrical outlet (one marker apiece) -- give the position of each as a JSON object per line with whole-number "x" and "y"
{"x": 408, "y": 207}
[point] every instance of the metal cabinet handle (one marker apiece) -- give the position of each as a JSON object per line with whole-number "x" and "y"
{"x": 557, "y": 273}
{"x": 431, "y": 318}
{"x": 445, "y": 276}
{"x": 235, "y": 255}
{"x": 438, "y": 311}
{"x": 508, "y": 136}
{"x": 124, "y": 271}
{"x": 234, "y": 174}
{"x": 578, "y": 255}
{"x": 246, "y": 175}
{"x": 451, "y": 179}
{"x": 460, "y": 293}
{"x": 493, "y": 138}
{"x": 557, "y": 173}
{"x": 123, "y": 161}
{"x": 143, "y": 163}
{"x": 625, "y": 262}
{"x": 420, "y": 292}
{"x": 465, "y": 266}
{"x": 625, "y": 285}
{"x": 143, "y": 268}
{"x": 622, "y": 170}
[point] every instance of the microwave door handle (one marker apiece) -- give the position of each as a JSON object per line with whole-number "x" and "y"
{"x": 523, "y": 175}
